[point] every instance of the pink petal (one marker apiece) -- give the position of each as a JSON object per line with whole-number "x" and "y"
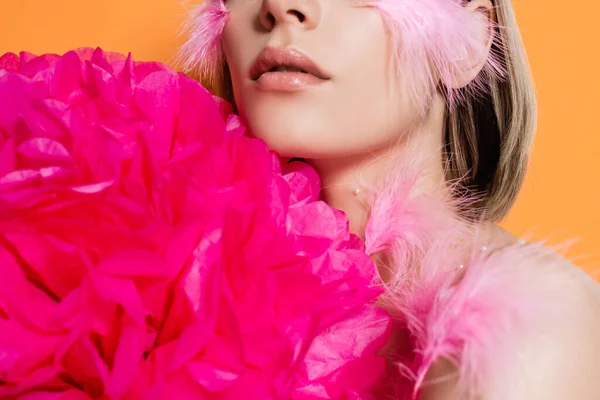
{"x": 98, "y": 58}
{"x": 211, "y": 377}
{"x": 21, "y": 300}
{"x": 16, "y": 92}
{"x": 7, "y": 157}
{"x": 42, "y": 148}
{"x": 40, "y": 376}
{"x": 67, "y": 77}
{"x": 22, "y": 176}
{"x": 128, "y": 356}
{"x": 43, "y": 254}
{"x": 93, "y": 188}
{"x": 134, "y": 263}
{"x": 123, "y": 292}
{"x": 10, "y": 62}
{"x": 22, "y": 350}
{"x": 100, "y": 82}
{"x": 304, "y": 182}
{"x": 32, "y": 65}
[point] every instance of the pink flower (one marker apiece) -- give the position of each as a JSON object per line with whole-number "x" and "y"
{"x": 150, "y": 250}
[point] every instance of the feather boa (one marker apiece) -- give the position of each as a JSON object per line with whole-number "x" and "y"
{"x": 459, "y": 294}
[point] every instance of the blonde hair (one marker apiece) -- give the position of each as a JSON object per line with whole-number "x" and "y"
{"x": 488, "y": 137}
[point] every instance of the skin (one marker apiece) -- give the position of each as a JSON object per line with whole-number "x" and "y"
{"x": 351, "y": 127}
{"x": 332, "y": 113}
{"x": 349, "y": 139}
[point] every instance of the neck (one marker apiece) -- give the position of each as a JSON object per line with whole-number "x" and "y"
{"x": 345, "y": 180}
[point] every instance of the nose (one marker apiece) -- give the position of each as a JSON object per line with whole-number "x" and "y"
{"x": 306, "y": 13}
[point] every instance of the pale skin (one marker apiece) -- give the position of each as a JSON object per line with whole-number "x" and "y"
{"x": 350, "y": 128}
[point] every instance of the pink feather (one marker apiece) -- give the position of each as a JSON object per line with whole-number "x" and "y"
{"x": 201, "y": 53}
{"x": 478, "y": 316}
{"x": 409, "y": 211}
{"x": 431, "y": 38}
{"x": 475, "y": 307}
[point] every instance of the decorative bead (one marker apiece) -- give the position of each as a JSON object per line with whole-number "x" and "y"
{"x": 356, "y": 191}
{"x": 484, "y": 248}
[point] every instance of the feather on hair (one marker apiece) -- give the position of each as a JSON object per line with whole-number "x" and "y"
{"x": 431, "y": 38}
{"x": 201, "y": 53}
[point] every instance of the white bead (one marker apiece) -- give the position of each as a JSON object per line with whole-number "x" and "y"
{"x": 484, "y": 248}
{"x": 356, "y": 192}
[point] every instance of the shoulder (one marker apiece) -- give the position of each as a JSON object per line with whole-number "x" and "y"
{"x": 560, "y": 354}
{"x": 538, "y": 328}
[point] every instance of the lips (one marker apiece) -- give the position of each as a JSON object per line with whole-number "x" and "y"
{"x": 284, "y": 61}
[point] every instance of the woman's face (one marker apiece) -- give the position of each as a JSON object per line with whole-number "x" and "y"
{"x": 349, "y": 102}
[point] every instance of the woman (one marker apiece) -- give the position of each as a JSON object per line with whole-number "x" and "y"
{"x": 429, "y": 107}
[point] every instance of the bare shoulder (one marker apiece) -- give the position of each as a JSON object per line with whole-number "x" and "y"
{"x": 557, "y": 356}
{"x": 561, "y": 359}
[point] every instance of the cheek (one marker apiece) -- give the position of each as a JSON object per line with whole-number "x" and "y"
{"x": 241, "y": 44}
{"x": 371, "y": 94}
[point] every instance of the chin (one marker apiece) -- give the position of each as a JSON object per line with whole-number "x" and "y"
{"x": 289, "y": 131}
{"x": 305, "y": 129}
{"x": 290, "y": 141}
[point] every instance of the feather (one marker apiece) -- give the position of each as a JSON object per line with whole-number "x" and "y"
{"x": 410, "y": 210}
{"x": 431, "y": 41}
{"x": 457, "y": 293}
{"x": 201, "y": 53}
{"x": 478, "y": 316}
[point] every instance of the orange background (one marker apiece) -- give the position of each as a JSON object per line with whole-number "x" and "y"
{"x": 561, "y": 198}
